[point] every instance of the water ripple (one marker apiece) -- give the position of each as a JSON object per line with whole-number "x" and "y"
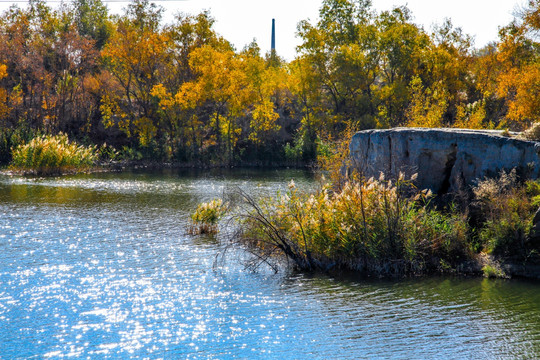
{"x": 102, "y": 268}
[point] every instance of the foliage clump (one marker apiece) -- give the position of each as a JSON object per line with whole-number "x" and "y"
{"x": 374, "y": 226}
{"x": 532, "y": 133}
{"x": 493, "y": 272}
{"x": 206, "y": 217}
{"x": 51, "y": 155}
{"x": 505, "y": 211}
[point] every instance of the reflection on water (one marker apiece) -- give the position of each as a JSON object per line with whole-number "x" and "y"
{"x": 99, "y": 266}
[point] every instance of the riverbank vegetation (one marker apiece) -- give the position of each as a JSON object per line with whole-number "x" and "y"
{"x": 184, "y": 94}
{"x": 389, "y": 228}
{"x": 52, "y": 155}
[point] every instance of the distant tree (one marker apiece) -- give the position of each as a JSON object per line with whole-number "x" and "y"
{"x": 92, "y": 20}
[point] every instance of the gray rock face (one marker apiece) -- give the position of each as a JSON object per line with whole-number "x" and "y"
{"x": 445, "y": 159}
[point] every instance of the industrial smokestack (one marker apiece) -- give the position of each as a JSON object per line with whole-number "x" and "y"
{"x": 273, "y": 35}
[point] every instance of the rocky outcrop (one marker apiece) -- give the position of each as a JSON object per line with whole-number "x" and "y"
{"x": 445, "y": 159}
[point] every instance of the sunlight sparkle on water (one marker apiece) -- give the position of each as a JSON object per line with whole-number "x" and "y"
{"x": 100, "y": 266}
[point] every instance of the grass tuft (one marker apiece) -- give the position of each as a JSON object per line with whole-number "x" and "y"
{"x": 206, "y": 217}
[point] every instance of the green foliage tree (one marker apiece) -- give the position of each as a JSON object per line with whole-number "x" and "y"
{"x": 92, "y": 20}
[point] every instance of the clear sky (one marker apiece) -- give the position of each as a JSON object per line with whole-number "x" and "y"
{"x": 241, "y": 21}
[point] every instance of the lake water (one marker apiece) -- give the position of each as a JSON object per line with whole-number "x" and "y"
{"x": 99, "y": 266}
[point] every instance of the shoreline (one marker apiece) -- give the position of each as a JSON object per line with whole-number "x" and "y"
{"x": 510, "y": 268}
{"x": 119, "y": 166}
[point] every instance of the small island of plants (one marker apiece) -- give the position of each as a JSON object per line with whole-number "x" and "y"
{"x": 52, "y": 155}
{"x": 388, "y": 227}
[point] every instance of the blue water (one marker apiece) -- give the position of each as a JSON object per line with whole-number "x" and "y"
{"x": 99, "y": 266}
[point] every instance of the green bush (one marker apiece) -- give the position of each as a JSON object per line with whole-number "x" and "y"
{"x": 48, "y": 155}
{"x": 295, "y": 152}
{"x": 493, "y": 272}
{"x": 129, "y": 154}
{"x": 107, "y": 153}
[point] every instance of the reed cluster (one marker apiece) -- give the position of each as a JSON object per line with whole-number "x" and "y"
{"x": 51, "y": 155}
{"x": 391, "y": 228}
{"x": 206, "y": 217}
{"x": 503, "y": 210}
{"x": 373, "y": 226}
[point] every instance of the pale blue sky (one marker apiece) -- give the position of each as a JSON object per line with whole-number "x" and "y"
{"x": 240, "y": 21}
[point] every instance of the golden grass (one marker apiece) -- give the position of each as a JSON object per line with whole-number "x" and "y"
{"x": 206, "y": 217}
{"x": 51, "y": 155}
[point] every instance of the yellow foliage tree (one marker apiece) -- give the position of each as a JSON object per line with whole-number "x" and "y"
{"x": 263, "y": 84}
{"x": 427, "y": 106}
{"x": 471, "y": 116}
{"x": 136, "y": 55}
{"x": 518, "y": 82}
{"x": 522, "y": 90}
{"x": 4, "y": 107}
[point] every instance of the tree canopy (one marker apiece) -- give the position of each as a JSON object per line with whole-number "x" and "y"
{"x": 181, "y": 92}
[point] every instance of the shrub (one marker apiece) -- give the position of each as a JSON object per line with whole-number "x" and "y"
{"x": 107, "y": 153}
{"x": 371, "y": 225}
{"x": 532, "y": 133}
{"x": 507, "y": 208}
{"x": 493, "y": 271}
{"x": 48, "y": 155}
{"x": 129, "y": 154}
{"x": 11, "y": 138}
{"x": 294, "y": 153}
{"x": 205, "y": 219}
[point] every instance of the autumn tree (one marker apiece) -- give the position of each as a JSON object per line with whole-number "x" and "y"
{"x": 364, "y": 62}
{"x": 92, "y": 20}
{"x": 47, "y": 60}
{"x": 218, "y": 88}
{"x": 265, "y": 81}
{"x": 182, "y": 123}
{"x": 231, "y": 97}
{"x": 402, "y": 46}
{"x": 307, "y": 99}
{"x": 518, "y": 82}
{"x": 339, "y": 49}
{"x": 137, "y": 69}
{"x": 4, "y": 106}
